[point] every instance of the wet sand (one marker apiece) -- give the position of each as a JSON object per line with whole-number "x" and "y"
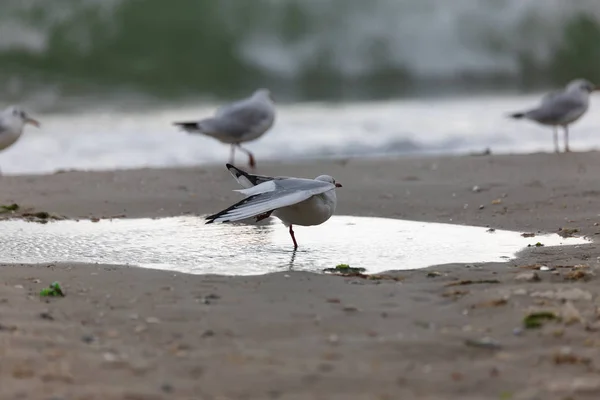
{"x": 447, "y": 332}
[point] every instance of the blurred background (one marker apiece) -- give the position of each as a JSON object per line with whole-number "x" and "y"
{"x": 352, "y": 77}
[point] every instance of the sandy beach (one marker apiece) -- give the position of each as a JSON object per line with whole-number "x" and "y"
{"x": 447, "y": 332}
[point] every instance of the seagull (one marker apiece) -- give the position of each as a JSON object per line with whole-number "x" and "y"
{"x": 12, "y": 121}
{"x": 561, "y": 108}
{"x": 295, "y": 201}
{"x": 239, "y": 122}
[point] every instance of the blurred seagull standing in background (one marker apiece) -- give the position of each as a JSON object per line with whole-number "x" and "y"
{"x": 561, "y": 108}
{"x": 239, "y": 122}
{"x": 12, "y": 121}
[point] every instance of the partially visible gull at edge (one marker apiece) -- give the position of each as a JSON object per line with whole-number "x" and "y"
{"x": 295, "y": 201}
{"x": 561, "y": 108}
{"x": 12, "y": 123}
{"x": 239, "y": 122}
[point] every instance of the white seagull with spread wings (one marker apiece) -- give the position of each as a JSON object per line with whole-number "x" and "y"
{"x": 239, "y": 122}
{"x": 295, "y": 201}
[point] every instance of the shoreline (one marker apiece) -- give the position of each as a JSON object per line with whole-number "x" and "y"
{"x": 445, "y": 332}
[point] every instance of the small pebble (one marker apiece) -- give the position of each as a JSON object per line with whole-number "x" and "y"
{"x": 333, "y": 338}
{"x": 46, "y": 315}
{"x": 152, "y": 320}
{"x": 484, "y": 343}
{"x": 110, "y": 357}
{"x": 88, "y": 339}
{"x": 166, "y": 387}
{"x": 517, "y": 331}
{"x": 528, "y": 277}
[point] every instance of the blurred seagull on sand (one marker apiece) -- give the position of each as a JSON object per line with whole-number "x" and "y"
{"x": 561, "y": 108}
{"x": 239, "y": 122}
{"x": 12, "y": 121}
{"x": 295, "y": 201}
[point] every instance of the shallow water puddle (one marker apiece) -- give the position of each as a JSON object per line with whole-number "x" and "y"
{"x": 186, "y": 244}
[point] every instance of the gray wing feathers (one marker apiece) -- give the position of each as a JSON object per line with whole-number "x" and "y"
{"x": 287, "y": 193}
{"x": 236, "y": 122}
{"x": 556, "y": 107}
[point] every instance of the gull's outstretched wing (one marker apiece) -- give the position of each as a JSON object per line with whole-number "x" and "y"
{"x": 269, "y": 196}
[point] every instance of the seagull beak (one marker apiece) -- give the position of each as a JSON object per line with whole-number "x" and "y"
{"x": 32, "y": 122}
{"x": 338, "y": 184}
{"x": 596, "y": 89}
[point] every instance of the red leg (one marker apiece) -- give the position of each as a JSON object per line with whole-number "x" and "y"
{"x": 293, "y": 238}
{"x": 251, "y": 160}
{"x": 232, "y": 154}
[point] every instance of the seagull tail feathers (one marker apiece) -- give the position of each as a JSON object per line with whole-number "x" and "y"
{"x": 188, "y": 126}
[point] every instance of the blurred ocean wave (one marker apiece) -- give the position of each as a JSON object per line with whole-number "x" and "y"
{"x": 302, "y": 49}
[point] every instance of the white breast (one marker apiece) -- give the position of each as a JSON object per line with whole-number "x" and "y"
{"x": 313, "y": 211}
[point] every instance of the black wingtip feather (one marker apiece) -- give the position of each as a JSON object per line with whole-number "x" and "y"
{"x": 212, "y": 218}
{"x": 254, "y": 179}
{"x": 518, "y": 115}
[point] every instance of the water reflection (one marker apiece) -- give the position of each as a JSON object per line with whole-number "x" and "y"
{"x": 186, "y": 244}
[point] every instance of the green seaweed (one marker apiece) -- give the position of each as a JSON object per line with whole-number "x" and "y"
{"x": 345, "y": 269}
{"x": 54, "y": 290}
{"x": 9, "y": 208}
{"x": 537, "y": 319}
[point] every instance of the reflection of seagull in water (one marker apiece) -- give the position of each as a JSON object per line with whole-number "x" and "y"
{"x": 291, "y": 265}
{"x": 242, "y": 121}
{"x": 561, "y": 108}
{"x": 295, "y": 201}
{"x": 12, "y": 122}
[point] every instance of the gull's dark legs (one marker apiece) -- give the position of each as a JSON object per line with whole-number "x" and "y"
{"x": 293, "y": 238}
{"x": 232, "y": 154}
{"x": 556, "y": 150}
{"x": 567, "y": 149}
{"x": 250, "y": 156}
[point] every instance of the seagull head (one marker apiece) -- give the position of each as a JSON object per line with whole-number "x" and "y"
{"x": 20, "y": 117}
{"x": 328, "y": 179}
{"x": 582, "y": 85}
{"x": 265, "y": 94}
